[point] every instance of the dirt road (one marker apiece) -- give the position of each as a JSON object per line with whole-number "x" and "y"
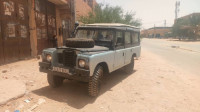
{"x": 155, "y": 86}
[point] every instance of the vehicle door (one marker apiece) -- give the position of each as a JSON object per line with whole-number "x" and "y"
{"x": 136, "y": 43}
{"x": 119, "y": 50}
{"x": 128, "y": 47}
{"x": 41, "y": 24}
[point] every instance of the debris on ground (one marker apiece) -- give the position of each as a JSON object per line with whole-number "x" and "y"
{"x": 27, "y": 101}
{"x": 38, "y": 57}
{"x": 174, "y": 46}
{"x": 16, "y": 111}
{"x": 21, "y": 106}
{"x": 4, "y": 71}
{"x": 40, "y": 101}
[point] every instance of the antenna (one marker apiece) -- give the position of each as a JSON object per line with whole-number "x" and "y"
{"x": 177, "y": 9}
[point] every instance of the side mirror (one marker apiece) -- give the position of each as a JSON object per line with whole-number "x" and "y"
{"x": 76, "y": 24}
{"x": 75, "y": 27}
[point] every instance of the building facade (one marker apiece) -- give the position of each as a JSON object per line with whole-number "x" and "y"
{"x": 83, "y": 7}
{"x": 157, "y": 32}
{"x": 29, "y": 26}
{"x": 190, "y": 23}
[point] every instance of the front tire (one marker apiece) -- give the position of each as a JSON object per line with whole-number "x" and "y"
{"x": 54, "y": 81}
{"x": 95, "y": 82}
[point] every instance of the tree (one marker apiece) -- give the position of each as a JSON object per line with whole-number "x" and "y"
{"x": 187, "y": 27}
{"x": 108, "y": 14}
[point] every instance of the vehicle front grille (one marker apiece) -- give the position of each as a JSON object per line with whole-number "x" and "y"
{"x": 67, "y": 58}
{"x": 60, "y": 57}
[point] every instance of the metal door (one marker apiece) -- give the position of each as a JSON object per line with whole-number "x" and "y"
{"x": 51, "y": 22}
{"x": 15, "y": 40}
{"x": 9, "y": 30}
{"x": 40, "y": 15}
{"x": 22, "y": 28}
{"x": 120, "y": 51}
{"x": 1, "y": 45}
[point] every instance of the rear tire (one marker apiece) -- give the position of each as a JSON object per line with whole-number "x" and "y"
{"x": 95, "y": 82}
{"x": 54, "y": 81}
{"x": 130, "y": 67}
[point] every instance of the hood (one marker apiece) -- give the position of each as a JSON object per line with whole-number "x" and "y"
{"x": 94, "y": 49}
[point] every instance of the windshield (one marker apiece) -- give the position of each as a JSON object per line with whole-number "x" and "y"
{"x": 97, "y": 35}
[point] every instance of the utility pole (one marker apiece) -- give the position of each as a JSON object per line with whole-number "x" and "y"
{"x": 154, "y": 31}
{"x": 177, "y": 9}
{"x": 165, "y": 23}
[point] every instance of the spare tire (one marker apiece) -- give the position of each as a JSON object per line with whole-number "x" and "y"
{"x": 80, "y": 43}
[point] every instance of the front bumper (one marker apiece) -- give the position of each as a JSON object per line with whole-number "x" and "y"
{"x": 74, "y": 73}
{"x": 44, "y": 66}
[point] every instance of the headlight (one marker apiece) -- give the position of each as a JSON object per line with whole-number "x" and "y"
{"x": 82, "y": 63}
{"x": 49, "y": 58}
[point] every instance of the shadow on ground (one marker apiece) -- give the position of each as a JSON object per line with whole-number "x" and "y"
{"x": 75, "y": 93}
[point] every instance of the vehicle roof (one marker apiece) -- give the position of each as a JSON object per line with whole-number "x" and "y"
{"x": 110, "y": 25}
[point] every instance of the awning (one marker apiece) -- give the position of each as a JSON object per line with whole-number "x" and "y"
{"x": 59, "y": 2}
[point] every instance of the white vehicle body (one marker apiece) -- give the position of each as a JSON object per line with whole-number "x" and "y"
{"x": 125, "y": 46}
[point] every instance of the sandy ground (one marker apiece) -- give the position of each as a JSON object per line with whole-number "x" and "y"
{"x": 155, "y": 86}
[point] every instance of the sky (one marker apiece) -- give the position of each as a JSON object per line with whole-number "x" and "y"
{"x": 156, "y": 11}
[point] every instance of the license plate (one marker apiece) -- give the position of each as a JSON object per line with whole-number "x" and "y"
{"x": 62, "y": 70}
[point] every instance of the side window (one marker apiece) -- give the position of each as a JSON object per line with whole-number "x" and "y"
{"x": 135, "y": 38}
{"x": 127, "y": 38}
{"x": 119, "y": 38}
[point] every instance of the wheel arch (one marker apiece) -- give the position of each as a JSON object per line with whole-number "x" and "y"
{"x": 134, "y": 55}
{"x": 105, "y": 67}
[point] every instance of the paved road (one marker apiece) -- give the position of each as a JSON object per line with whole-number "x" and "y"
{"x": 187, "y": 56}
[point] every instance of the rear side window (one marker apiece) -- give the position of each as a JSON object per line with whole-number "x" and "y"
{"x": 135, "y": 38}
{"x": 120, "y": 40}
{"x": 127, "y": 38}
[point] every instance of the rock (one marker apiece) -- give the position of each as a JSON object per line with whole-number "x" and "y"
{"x": 11, "y": 89}
{"x": 4, "y": 71}
{"x": 101, "y": 107}
{"x": 5, "y": 77}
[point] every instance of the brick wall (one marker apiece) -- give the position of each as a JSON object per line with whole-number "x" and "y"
{"x": 83, "y": 7}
